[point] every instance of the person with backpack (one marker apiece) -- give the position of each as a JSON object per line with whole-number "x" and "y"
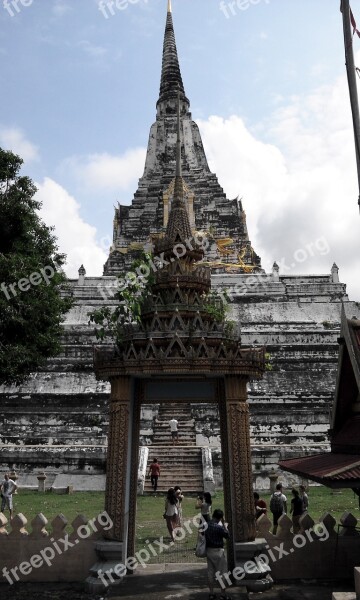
{"x": 278, "y": 506}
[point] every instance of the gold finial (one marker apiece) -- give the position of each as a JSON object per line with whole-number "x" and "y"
{"x": 169, "y": 6}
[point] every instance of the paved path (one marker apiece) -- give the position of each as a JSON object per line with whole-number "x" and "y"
{"x": 166, "y": 582}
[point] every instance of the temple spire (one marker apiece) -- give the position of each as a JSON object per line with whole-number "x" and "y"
{"x": 178, "y": 227}
{"x": 178, "y": 139}
{"x": 171, "y": 79}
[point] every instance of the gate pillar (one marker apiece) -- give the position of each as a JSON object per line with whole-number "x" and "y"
{"x": 117, "y": 465}
{"x": 245, "y": 548}
{"x": 239, "y": 460}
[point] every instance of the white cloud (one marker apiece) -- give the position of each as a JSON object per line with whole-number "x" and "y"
{"x": 76, "y": 238}
{"x": 12, "y": 138}
{"x": 107, "y": 172}
{"x": 298, "y": 182}
{"x": 91, "y": 49}
{"x": 61, "y": 8}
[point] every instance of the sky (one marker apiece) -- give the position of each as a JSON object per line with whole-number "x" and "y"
{"x": 267, "y": 85}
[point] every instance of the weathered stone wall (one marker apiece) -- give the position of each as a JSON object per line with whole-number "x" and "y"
{"x": 58, "y": 420}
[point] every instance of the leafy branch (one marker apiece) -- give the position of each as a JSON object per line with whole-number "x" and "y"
{"x": 216, "y": 305}
{"x": 133, "y": 291}
{"x": 268, "y": 365}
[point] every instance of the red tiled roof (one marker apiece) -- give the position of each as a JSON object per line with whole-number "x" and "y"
{"x": 326, "y": 467}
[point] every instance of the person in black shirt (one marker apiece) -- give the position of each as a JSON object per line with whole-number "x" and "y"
{"x": 297, "y": 509}
{"x": 215, "y": 553}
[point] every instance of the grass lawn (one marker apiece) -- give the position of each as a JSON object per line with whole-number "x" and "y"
{"x": 30, "y": 503}
{"x": 150, "y": 522}
{"x": 322, "y": 499}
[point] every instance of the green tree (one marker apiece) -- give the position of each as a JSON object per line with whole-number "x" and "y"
{"x": 33, "y": 293}
{"x": 131, "y": 295}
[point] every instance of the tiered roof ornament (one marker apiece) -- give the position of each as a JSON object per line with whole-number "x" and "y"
{"x": 182, "y": 328}
{"x": 178, "y": 229}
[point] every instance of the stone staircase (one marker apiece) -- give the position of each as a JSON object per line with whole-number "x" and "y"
{"x": 180, "y": 464}
{"x": 186, "y": 427}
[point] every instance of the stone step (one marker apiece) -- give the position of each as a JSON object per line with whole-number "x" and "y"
{"x": 172, "y": 478}
{"x": 188, "y": 461}
{"x": 185, "y": 452}
{"x": 175, "y": 412}
{"x": 165, "y": 449}
{"x": 167, "y": 471}
{"x": 165, "y": 424}
{"x": 180, "y": 465}
{"x": 185, "y": 484}
{"x": 169, "y": 406}
{"x": 182, "y": 414}
{"x": 196, "y": 487}
{"x": 190, "y": 491}
{"x": 186, "y": 468}
{"x": 187, "y": 458}
{"x": 166, "y": 431}
{"x": 185, "y": 440}
{"x": 164, "y": 419}
{"x": 168, "y": 475}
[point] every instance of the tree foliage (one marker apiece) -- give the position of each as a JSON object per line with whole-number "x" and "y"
{"x": 132, "y": 292}
{"x": 33, "y": 295}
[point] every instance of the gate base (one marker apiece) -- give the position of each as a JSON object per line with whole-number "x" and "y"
{"x": 109, "y": 570}
{"x": 250, "y": 570}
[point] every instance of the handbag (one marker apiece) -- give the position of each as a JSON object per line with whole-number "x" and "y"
{"x": 200, "y": 550}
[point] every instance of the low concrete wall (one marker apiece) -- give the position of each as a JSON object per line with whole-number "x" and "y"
{"x": 319, "y": 551}
{"x": 49, "y": 556}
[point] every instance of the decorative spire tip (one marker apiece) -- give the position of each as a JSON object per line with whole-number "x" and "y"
{"x": 178, "y": 138}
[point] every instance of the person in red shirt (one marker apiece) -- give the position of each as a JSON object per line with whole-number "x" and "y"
{"x": 260, "y": 506}
{"x": 154, "y": 473}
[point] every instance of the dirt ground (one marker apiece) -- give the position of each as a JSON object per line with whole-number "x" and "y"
{"x": 45, "y": 591}
{"x": 73, "y": 591}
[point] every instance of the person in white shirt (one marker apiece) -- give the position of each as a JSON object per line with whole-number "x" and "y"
{"x": 304, "y": 497}
{"x": 174, "y": 431}
{"x": 7, "y": 488}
